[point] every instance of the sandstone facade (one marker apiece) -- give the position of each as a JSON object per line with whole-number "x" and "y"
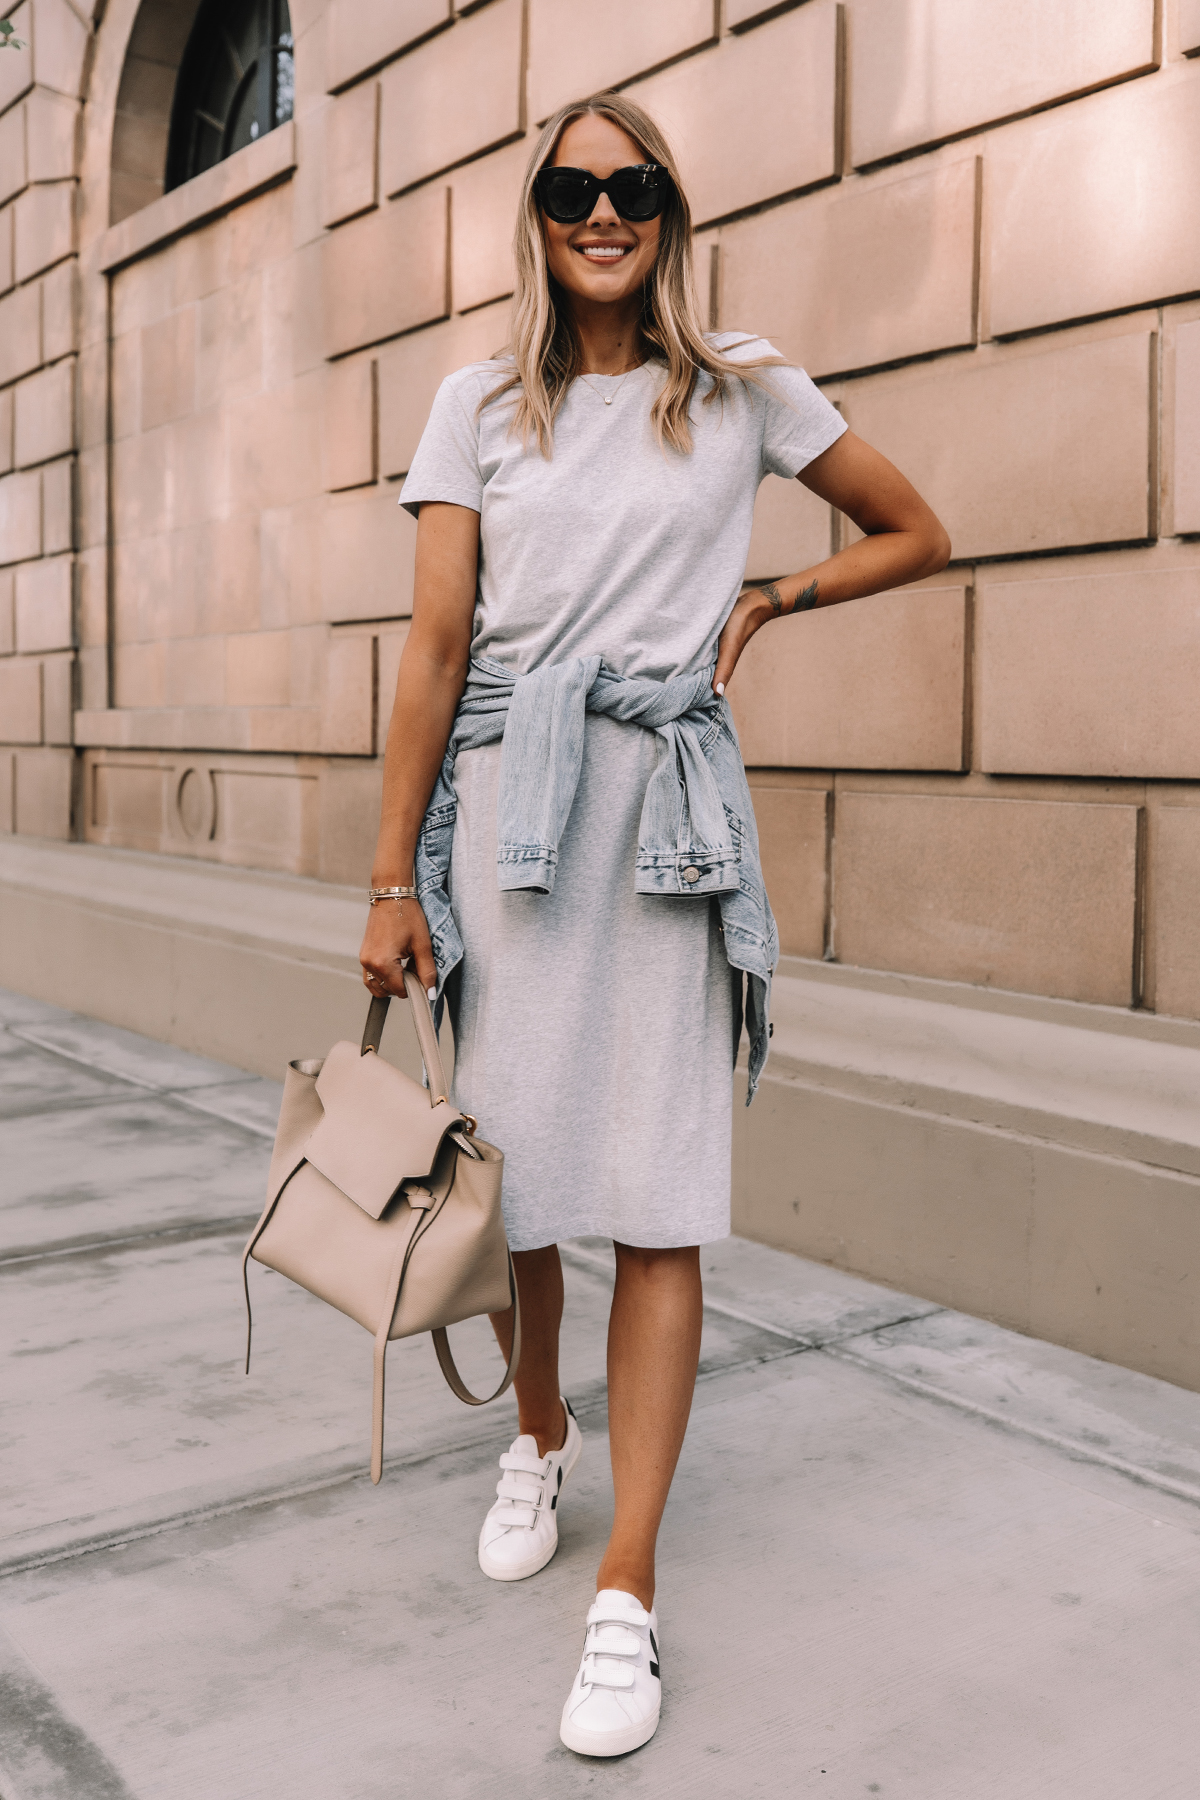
{"x": 972, "y": 224}
{"x": 972, "y": 221}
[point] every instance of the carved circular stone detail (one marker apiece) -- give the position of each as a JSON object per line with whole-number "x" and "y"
{"x": 196, "y": 804}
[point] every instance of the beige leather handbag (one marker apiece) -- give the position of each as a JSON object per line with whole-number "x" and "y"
{"x": 381, "y": 1200}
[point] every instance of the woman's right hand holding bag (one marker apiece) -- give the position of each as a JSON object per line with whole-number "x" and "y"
{"x": 396, "y": 934}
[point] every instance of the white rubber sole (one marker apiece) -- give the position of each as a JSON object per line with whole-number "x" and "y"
{"x": 607, "y": 1743}
{"x": 523, "y": 1570}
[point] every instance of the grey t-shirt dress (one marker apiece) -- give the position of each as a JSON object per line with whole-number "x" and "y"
{"x": 594, "y": 1027}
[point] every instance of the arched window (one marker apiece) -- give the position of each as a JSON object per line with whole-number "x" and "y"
{"x": 235, "y": 83}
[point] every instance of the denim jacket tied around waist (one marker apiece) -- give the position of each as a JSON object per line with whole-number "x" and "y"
{"x": 697, "y": 835}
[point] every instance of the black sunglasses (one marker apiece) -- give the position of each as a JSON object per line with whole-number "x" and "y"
{"x": 638, "y": 193}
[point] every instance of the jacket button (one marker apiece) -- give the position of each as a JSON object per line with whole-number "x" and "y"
{"x": 690, "y": 875}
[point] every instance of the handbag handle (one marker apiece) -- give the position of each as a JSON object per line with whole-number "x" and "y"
{"x": 422, "y": 1013}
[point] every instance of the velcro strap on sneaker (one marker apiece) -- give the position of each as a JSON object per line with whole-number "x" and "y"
{"x": 603, "y": 1671}
{"x": 509, "y": 1488}
{"x": 513, "y": 1514}
{"x": 604, "y": 1611}
{"x": 526, "y": 1465}
{"x": 608, "y": 1638}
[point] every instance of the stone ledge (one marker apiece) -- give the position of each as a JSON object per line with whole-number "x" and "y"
{"x": 255, "y": 908}
{"x": 218, "y": 190}
{"x": 1066, "y": 1077}
{"x": 1125, "y": 1021}
{"x": 245, "y": 966}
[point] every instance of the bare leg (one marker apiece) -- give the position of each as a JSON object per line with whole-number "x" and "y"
{"x": 653, "y": 1352}
{"x": 540, "y": 1286}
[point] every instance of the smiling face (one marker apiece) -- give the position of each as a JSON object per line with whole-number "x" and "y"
{"x": 605, "y": 259}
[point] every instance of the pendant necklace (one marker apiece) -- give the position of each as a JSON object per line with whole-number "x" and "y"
{"x": 609, "y": 398}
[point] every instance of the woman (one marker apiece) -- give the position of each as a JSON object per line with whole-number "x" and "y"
{"x": 590, "y": 899}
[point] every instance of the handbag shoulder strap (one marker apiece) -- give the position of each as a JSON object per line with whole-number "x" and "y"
{"x": 422, "y": 1219}
{"x": 441, "y": 1344}
{"x": 422, "y": 1014}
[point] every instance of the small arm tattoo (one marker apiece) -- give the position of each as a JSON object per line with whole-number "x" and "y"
{"x": 804, "y": 600}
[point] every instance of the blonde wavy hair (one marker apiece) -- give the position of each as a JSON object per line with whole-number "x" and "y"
{"x": 545, "y": 347}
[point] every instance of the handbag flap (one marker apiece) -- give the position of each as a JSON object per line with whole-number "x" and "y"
{"x": 378, "y": 1128}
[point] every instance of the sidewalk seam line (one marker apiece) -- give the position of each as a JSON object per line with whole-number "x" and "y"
{"x": 87, "y": 1062}
{"x": 1070, "y": 1447}
{"x": 193, "y": 1232}
{"x": 77, "y": 1103}
{"x": 928, "y": 1311}
{"x": 265, "y": 1132}
{"x": 267, "y": 1497}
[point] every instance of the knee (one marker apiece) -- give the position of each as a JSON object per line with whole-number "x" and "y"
{"x": 682, "y": 1263}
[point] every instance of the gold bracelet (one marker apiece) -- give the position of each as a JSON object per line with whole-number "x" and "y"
{"x": 392, "y": 893}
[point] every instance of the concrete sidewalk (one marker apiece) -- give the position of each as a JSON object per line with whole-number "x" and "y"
{"x": 907, "y": 1553}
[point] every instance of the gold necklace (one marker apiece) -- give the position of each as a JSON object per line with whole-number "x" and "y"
{"x": 609, "y": 398}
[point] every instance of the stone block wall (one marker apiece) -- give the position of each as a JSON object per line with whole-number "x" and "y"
{"x": 972, "y": 221}
{"x": 40, "y": 116}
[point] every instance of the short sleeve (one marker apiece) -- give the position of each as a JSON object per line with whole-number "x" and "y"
{"x": 446, "y": 464}
{"x": 799, "y": 424}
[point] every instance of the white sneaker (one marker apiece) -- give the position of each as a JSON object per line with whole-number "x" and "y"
{"x": 613, "y": 1706}
{"x": 520, "y": 1532}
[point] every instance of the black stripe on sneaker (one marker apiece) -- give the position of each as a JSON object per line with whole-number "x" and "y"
{"x": 554, "y": 1497}
{"x": 654, "y": 1664}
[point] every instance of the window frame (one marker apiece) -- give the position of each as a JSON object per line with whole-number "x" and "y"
{"x": 210, "y": 44}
